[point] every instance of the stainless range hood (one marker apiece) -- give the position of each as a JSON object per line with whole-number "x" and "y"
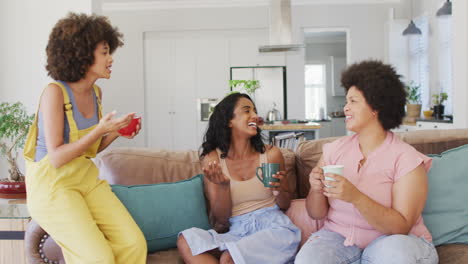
{"x": 280, "y": 28}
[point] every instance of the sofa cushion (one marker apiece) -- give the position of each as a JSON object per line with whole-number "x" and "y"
{"x": 446, "y": 210}
{"x": 290, "y": 166}
{"x": 297, "y": 212}
{"x": 308, "y": 153}
{"x": 163, "y": 210}
{"x": 146, "y": 165}
{"x": 435, "y": 141}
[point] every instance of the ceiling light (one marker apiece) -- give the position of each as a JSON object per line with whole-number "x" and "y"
{"x": 445, "y": 10}
{"x": 411, "y": 29}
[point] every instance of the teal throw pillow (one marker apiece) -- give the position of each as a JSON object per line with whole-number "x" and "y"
{"x": 446, "y": 210}
{"x": 163, "y": 210}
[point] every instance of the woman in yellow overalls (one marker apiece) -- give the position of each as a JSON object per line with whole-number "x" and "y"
{"x": 65, "y": 196}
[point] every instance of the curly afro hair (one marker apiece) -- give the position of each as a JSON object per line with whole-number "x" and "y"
{"x": 70, "y": 50}
{"x": 382, "y": 89}
{"x": 218, "y": 134}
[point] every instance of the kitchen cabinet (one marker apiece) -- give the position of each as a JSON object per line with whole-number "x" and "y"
{"x": 404, "y": 128}
{"x": 181, "y": 68}
{"x": 338, "y": 126}
{"x": 423, "y": 125}
{"x": 170, "y": 94}
{"x": 335, "y": 127}
{"x": 338, "y": 64}
{"x": 325, "y": 129}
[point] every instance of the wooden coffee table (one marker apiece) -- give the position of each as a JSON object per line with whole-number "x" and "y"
{"x": 14, "y": 218}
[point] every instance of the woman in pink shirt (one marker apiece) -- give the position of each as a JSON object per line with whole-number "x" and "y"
{"x": 373, "y": 212}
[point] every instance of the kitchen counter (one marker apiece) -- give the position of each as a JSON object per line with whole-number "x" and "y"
{"x": 289, "y": 127}
{"x": 445, "y": 120}
{"x": 310, "y": 130}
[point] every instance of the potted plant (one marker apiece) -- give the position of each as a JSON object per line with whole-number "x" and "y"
{"x": 250, "y": 86}
{"x": 438, "y": 100}
{"x": 413, "y": 100}
{"x": 14, "y": 125}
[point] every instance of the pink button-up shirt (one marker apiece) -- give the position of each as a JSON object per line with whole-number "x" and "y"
{"x": 384, "y": 166}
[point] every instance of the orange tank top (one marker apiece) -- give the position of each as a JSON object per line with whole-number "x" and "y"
{"x": 248, "y": 195}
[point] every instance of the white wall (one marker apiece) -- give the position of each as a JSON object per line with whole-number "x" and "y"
{"x": 25, "y": 26}
{"x": 460, "y": 62}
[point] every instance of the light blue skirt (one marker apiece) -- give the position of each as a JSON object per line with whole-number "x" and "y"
{"x": 262, "y": 236}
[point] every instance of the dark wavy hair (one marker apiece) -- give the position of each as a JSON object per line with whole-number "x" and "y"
{"x": 382, "y": 88}
{"x": 218, "y": 134}
{"x": 70, "y": 50}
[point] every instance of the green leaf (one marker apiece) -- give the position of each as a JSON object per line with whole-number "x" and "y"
{"x": 413, "y": 94}
{"x": 14, "y": 122}
{"x": 250, "y": 86}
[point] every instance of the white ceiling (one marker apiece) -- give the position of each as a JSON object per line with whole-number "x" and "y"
{"x": 264, "y": 1}
{"x": 126, "y": 5}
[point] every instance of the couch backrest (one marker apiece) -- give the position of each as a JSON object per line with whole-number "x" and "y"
{"x": 133, "y": 166}
{"x": 426, "y": 141}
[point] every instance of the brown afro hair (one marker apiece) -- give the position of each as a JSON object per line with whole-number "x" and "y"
{"x": 70, "y": 50}
{"x": 382, "y": 89}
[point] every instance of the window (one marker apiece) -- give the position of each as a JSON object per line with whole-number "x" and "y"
{"x": 419, "y": 60}
{"x": 315, "y": 91}
{"x": 444, "y": 82}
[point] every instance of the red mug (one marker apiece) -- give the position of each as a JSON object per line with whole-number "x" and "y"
{"x": 128, "y": 130}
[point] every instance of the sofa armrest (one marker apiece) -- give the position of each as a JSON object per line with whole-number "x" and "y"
{"x": 40, "y": 247}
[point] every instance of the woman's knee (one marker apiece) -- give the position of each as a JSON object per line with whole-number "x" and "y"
{"x": 324, "y": 251}
{"x": 183, "y": 246}
{"x": 306, "y": 255}
{"x": 226, "y": 258}
{"x": 136, "y": 243}
{"x": 141, "y": 243}
{"x": 399, "y": 248}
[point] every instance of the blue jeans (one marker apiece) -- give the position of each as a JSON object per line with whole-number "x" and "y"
{"x": 326, "y": 247}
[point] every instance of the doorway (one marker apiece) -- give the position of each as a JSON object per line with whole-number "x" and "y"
{"x": 326, "y": 56}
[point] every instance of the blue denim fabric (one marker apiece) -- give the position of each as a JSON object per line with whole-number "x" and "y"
{"x": 266, "y": 235}
{"x": 326, "y": 247}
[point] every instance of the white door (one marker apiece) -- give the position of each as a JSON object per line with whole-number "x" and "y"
{"x": 185, "y": 95}
{"x": 159, "y": 75}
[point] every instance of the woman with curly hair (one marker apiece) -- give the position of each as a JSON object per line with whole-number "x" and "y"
{"x": 65, "y": 196}
{"x": 259, "y": 232}
{"x": 373, "y": 211}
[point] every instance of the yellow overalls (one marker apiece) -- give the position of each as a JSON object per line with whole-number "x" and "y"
{"x": 78, "y": 210}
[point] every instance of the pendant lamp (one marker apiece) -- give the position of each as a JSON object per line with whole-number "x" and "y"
{"x": 445, "y": 10}
{"x": 411, "y": 29}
